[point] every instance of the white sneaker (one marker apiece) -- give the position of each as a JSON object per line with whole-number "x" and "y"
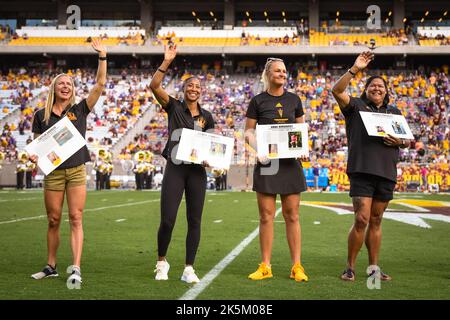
{"x": 189, "y": 275}
{"x": 162, "y": 269}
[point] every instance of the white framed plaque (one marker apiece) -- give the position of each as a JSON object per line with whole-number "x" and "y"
{"x": 279, "y": 141}
{"x": 197, "y": 146}
{"x": 382, "y": 124}
{"x": 57, "y": 144}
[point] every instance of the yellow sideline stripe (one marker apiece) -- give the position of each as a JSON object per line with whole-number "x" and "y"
{"x": 422, "y": 203}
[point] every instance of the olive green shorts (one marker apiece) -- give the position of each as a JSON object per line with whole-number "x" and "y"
{"x": 61, "y": 179}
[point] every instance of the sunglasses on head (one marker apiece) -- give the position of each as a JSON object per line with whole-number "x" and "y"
{"x": 274, "y": 59}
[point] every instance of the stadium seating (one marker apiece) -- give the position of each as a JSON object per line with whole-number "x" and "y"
{"x": 323, "y": 39}
{"x": 433, "y": 36}
{"x": 28, "y": 36}
{"x": 196, "y": 36}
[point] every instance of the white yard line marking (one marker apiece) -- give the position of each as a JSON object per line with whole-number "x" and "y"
{"x": 22, "y": 219}
{"x": 339, "y": 211}
{"x": 85, "y": 210}
{"x": 23, "y": 199}
{"x": 198, "y": 288}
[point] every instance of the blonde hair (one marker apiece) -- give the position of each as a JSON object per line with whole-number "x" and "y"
{"x": 265, "y": 73}
{"x": 51, "y": 98}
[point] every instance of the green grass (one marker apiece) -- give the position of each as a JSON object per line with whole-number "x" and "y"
{"x": 119, "y": 257}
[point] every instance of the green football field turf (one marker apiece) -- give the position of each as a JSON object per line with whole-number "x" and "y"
{"x": 120, "y": 251}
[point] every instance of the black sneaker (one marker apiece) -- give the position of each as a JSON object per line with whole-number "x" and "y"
{"x": 348, "y": 275}
{"x": 48, "y": 272}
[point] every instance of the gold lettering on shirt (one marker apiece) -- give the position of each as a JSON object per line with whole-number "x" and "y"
{"x": 201, "y": 122}
{"x": 71, "y": 116}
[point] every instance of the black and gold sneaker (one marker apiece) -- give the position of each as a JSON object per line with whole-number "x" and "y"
{"x": 47, "y": 272}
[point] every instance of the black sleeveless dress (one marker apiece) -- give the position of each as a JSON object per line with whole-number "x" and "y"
{"x": 268, "y": 109}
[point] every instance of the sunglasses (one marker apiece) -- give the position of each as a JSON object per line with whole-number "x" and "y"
{"x": 274, "y": 59}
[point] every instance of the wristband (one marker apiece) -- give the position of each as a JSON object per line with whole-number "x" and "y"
{"x": 403, "y": 145}
{"x": 102, "y": 58}
{"x": 352, "y": 73}
{"x": 161, "y": 70}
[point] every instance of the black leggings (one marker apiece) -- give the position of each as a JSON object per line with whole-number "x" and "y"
{"x": 191, "y": 179}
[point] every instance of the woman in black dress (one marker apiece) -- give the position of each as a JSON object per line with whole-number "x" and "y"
{"x": 284, "y": 176}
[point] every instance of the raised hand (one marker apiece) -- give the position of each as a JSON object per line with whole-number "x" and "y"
{"x": 98, "y": 46}
{"x": 170, "y": 52}
{"x": 363, "y": 60}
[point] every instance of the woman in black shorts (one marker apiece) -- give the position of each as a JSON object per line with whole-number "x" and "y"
{"x": 371, "y": 165}
{"x": 277, "y": 106}
{"x": 70, "y": 177}
{"x": 180, "y": 177}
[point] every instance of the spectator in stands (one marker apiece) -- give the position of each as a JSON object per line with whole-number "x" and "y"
{"x": 316, "y": 174}
{"x": 281, "y": 176}
{"x": 70, "y": 177}
{"x": 371, "y": 165}
{"x": 21, "y": 127}
{"x": 424, "y": 176}
{"x": 180, "y": 177}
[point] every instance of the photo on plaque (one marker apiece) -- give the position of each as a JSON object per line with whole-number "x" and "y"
{"x": 62, "y": 136}
{"x": 398, "y": 127}
{"x": 54, "y": 158}
{"x": 273, "y": 150}
{"x": 217, "y": 149}
{"x": 381, "y": 131}
{"x": 295, "y": 140}
{"x": 194, "y": 155}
